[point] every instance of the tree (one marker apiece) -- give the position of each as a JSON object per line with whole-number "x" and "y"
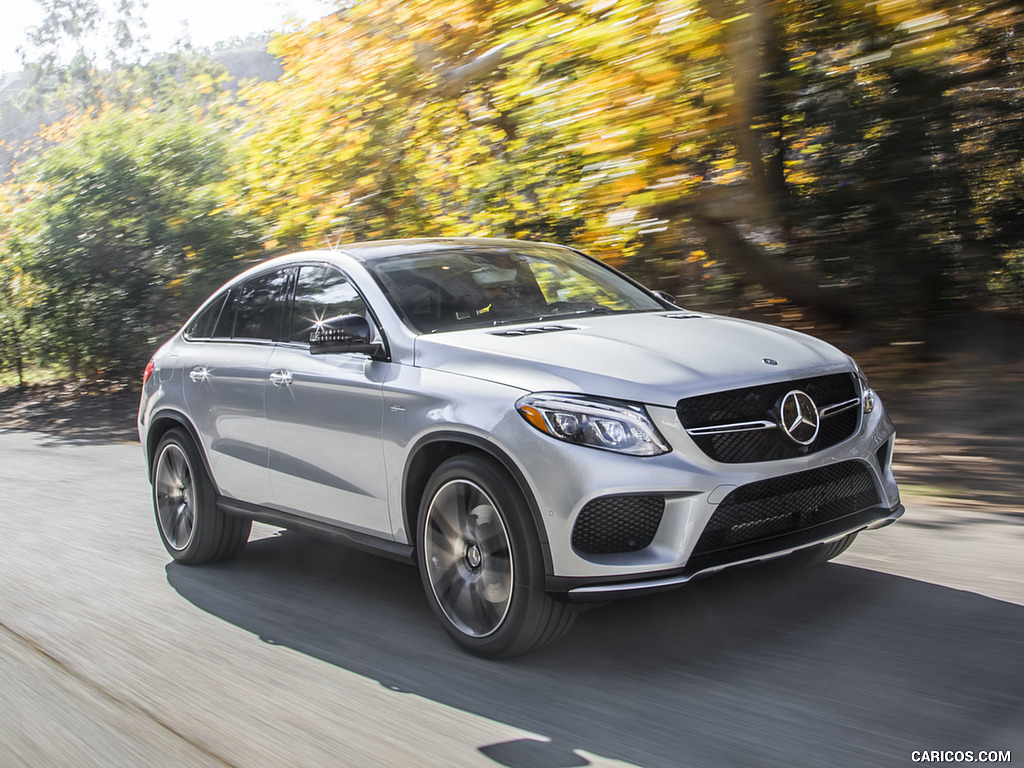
{"x": 12, "y": 331}
{"x": 861, "y": 158}
{"x": 121, "y": 230}
{"x": 817, "y": 147}
{"x": 64, "y": 51}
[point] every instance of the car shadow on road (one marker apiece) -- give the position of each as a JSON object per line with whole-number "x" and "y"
{"x": 832, "y": 666}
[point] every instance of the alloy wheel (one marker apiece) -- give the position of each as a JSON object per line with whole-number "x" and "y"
{"x": 468, "y": 557}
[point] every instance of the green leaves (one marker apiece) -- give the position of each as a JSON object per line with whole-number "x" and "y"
{"x": 125, "y": 232}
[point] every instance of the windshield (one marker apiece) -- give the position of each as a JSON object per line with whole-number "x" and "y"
{"x": 471, "y": 287}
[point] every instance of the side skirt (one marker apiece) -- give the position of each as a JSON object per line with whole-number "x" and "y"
{"x": 357, "y": 540}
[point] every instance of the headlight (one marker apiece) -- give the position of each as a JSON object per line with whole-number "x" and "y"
{"x": 867, "y": 393}
{"x": 612, "y": 426}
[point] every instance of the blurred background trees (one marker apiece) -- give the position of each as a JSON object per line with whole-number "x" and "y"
{"x": 124, "y": 226}
{"x": 862, "y": 160}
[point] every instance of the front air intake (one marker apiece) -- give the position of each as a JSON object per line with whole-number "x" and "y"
{"x": 615, "y": 524}
{"x": 788, "y": 504}
{"x": 882, "y": 454}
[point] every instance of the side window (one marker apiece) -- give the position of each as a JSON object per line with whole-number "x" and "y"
{"x": 259, "y": 307}
{"x": 321, "y": 293}
{"x": 226, "y": 321}
{"x": 202, "y": 327}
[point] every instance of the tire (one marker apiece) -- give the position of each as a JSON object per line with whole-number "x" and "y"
{"x": 819, "y": 554}
{"x": 191, "y": 527}
{"x": 481, "y": 564}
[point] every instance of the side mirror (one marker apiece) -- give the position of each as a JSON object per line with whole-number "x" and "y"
{"x": 344, "y": 333}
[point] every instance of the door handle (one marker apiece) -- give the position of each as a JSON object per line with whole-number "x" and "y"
{"x": 280, "y": 378}
{"x": 199, "y": 373}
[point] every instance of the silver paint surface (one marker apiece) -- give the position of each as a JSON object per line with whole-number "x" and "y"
{"x": 334, "y": 443}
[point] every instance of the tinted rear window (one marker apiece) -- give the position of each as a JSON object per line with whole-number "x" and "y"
{"x": 260, "y": 308}
{"x": 202, "y": 327}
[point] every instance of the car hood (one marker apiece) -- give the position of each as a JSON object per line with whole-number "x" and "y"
{"x": 653, "y": 358}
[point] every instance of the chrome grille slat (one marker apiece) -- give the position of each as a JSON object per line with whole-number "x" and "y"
{"x": 741, "y": 425}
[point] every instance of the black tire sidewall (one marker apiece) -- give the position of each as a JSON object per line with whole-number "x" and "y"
{"x": 204, "y": 495}
{"x": 512, "y": 635}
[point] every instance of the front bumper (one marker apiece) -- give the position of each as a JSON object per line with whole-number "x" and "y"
{"x": 565, "y": 478}
{"x": 585, "y": 590}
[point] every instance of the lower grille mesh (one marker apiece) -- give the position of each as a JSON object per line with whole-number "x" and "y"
{"x": 788, "y": 504}
{"x": 617, "y": 524}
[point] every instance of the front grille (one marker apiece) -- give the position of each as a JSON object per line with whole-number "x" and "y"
{"x": 760, "y": 404}
{"x": 788, "y": 504}
{"x": 617, "y": 524}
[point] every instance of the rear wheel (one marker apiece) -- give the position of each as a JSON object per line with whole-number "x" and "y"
{"x": 481, "y": 563}
{"x": 191, "y": 527}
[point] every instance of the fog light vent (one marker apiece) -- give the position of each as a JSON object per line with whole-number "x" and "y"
{"x": 882, "y": 454}
{"x": 615, "y": 524}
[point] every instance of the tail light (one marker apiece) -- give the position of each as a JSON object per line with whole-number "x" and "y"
{"x": 150, "y": 367}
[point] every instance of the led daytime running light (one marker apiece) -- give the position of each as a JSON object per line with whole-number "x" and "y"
{"x": 610, "y": 426}
{"x": 867, "y": 393}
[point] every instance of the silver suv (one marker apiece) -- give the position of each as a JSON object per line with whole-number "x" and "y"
{"x": 531, "y": 427}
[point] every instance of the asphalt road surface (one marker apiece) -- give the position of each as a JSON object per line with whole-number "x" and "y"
{"x": 304, "y": 653}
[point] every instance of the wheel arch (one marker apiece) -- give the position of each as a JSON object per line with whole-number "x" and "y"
{"x": 430, "y": 451}
{"x": 160, "y": 424}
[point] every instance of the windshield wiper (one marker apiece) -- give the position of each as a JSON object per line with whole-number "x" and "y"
{"x": 597, "y": 309}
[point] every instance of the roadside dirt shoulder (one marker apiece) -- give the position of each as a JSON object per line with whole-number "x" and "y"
{"x": 960, "y": 428}
{"x": 102, "y": 410}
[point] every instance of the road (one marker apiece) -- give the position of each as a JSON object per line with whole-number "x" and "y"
{"x": 304, "y": 653}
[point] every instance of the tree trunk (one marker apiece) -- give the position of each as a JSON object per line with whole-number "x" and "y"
{"x": 756, "y": 58}
{"x": 754, "y": 264}
{"x": 754, "y": 51}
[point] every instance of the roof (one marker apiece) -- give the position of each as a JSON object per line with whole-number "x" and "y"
{"x": 377, "y": 249}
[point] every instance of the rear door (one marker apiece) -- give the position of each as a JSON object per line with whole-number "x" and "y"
{"x": 324, "y": 414}
{"x": 225, "y": 383}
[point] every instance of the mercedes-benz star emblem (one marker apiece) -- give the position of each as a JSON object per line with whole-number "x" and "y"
{"x": 798, "y": 417}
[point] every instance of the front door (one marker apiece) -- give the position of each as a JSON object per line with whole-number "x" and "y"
{"x": 324, "y": 415}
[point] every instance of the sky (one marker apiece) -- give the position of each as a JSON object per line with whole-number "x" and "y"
{"x": 203, "y": 22}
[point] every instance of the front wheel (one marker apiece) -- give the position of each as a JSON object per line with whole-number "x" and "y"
{"x": 481, "y": 563}
{"x": 193, "y": 530}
